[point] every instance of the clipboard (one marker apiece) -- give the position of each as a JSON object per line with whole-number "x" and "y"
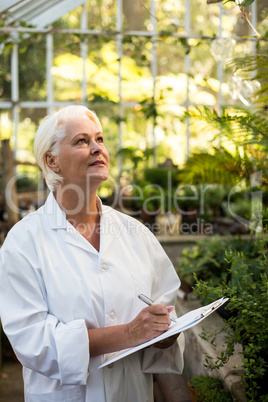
{"x": 183, "y": 323}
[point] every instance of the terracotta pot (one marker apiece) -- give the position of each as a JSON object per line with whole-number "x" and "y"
{"x": 192, "y": 391}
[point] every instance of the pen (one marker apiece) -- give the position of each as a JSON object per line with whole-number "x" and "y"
{"x": 150, "y": 302}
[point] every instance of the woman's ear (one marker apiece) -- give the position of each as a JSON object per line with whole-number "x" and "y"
{"x": 51, "y": 162}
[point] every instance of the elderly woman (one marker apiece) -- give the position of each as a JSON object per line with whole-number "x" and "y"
{"x": 71, "y": 273}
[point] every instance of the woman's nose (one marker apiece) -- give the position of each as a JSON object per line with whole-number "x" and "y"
{"x": 95, "y": 148}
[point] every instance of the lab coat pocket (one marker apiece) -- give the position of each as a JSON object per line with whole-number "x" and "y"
{"x": 73, "y": 394}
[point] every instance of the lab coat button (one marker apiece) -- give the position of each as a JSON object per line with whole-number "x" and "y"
{"x": 104, "y": 267}
{"x": 112, "y": 315}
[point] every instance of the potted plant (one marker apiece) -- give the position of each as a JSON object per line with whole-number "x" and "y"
{"x": 204, "y": 388}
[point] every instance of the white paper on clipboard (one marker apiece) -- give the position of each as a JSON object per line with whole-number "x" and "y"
{"x": 183, "y": 323}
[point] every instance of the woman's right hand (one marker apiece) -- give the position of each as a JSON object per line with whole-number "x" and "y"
{"x": 149, "y": 323}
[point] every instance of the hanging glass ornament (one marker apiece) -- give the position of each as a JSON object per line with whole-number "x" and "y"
{"x": 222, "y": 48}
{"x": 247, "y": 93}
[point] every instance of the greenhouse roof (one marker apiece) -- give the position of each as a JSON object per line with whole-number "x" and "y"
{"x": 37, "y": 12}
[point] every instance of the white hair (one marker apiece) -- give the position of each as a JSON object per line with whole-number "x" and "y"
{"x": 49, "y": 135}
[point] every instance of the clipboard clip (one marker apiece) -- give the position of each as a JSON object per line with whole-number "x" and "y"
{"x": 211, "y": 308}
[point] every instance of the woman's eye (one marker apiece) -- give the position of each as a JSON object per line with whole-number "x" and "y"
{"x": 100, "y": 139}
{"x": 82, "y": 141}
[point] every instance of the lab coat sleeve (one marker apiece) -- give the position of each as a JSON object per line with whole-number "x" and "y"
{"x": 40, "y": 341}
{"x": 164, "y": 290}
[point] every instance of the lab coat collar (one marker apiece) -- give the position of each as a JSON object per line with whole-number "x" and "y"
{"x": 55, "y": 215}
{"x": 57, "y": 220}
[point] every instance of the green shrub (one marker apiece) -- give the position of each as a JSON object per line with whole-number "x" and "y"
{"x": 247, "y": 290}
{"x": 209, "y": 389}
{"x": 207, "y": 260}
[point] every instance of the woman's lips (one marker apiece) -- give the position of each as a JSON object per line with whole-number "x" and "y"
{"x": 97, "y": 163}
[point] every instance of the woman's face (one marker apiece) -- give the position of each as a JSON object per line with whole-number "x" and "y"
{"x": 83, "y": 156}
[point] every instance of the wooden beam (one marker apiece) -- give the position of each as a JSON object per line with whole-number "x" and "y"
{"x": 32, "y": 195}
{"x": 27, "y": 196}
{"x": 16, "y": 162}
{"x": 213, "y": 1}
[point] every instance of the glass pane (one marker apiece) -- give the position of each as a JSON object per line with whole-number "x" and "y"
{"x": 101, "y": 14}
{"x": 136, "y": 15}
{"x": 71, "y": 20}
{"x": 204, "y": 18}
{"x": 102, "y": 70}
{"x": 171, "y": 16}
{"x": 32, "y": 69}
{"x": 135, "y": 69}
{"x": 67, "y": 68}
{"x": 204, "y": 84}
{"x": 231, "y": 20}
{"x": 171, "y": 79}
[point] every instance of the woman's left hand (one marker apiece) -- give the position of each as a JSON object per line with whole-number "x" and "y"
{"x": 166, "y": 343}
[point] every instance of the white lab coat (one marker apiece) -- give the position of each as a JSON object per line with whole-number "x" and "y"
{"x": 54, "y": 286}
